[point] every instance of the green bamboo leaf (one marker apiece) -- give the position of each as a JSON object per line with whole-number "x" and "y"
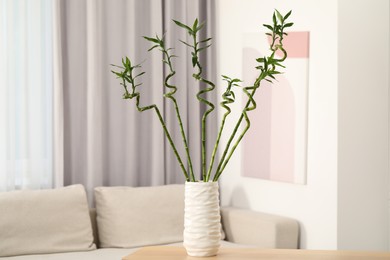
{"x": 280, "y": 65}
{"x": 118, "y": 74}
{"x": 236, "y": 80}
{"x": 189, "y": 45}
{"x": 287, "y": 15}
{"x": 151, "y": 39}
{"x": 268, "y": 26}
{"x": 127, "y": 78}
{"x": 182, "y": 25}
{"x": 155, "y": 46}
{"x": 195, "y": 24}
{"x": 201, "y": 49}
{"x": 288, "y": 25}
{"x": 139, "y": 75}
{"x": 208, "y": 39}
{"x": 128, "y": 62}
{"x": 117, "y": 66}
{"x": 199, "y": 27}
{"x": 280, "y": 17}
{"x": 274, "y": 19}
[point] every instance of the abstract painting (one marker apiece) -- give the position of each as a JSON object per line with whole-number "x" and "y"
{"x": 275, "y": 147}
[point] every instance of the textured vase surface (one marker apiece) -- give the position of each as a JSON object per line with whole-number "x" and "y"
{"x": 202, "y": 219}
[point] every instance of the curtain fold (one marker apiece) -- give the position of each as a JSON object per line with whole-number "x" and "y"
{"x": 26, "y": 94}
{"x": 58, "y": 98}
{"x": 107, "y": 142}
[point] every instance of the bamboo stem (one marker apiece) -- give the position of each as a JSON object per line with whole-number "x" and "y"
{"x": 170, "y": 96}
{"x": 127, "y": 76}
{"x": 227, "y": 100}
{"x": 207, "y": 112}
{"x": 141, "y": 109}
{"x": 223, "y": 163}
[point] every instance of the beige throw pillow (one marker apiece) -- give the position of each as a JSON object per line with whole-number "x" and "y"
{"x": 131, "y": 217}
{"x": 45, "y": 221}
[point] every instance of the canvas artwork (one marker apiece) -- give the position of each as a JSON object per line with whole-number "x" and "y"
{"x": 275, "y": 147}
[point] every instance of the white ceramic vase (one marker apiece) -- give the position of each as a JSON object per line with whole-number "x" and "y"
{"x": 202, "y": 219}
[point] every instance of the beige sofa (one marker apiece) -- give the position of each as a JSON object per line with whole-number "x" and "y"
{"x": 57, "y": 224}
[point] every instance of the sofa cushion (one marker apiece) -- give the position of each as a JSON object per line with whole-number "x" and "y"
{"x": 45, "y": 221}
{"x": 131, "y": 217}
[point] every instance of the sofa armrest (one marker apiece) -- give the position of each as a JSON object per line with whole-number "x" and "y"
{"x": 259, "y": 229}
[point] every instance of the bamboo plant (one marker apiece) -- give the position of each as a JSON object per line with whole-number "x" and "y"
{"x": 268, "y": 67}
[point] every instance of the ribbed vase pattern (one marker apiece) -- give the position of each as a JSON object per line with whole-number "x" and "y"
{"x": 202, "y": 219}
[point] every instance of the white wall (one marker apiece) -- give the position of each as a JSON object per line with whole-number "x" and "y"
{"x": 318, "y": 206}
{"x": 363, "y": 44}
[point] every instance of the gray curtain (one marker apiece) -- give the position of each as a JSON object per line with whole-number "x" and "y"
{"x": 107, "y": 142}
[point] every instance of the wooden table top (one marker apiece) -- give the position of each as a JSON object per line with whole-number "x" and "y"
{"x": 179, "y": 253}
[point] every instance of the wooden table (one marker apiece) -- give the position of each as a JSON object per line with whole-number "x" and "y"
{"x": 179, "y": 253}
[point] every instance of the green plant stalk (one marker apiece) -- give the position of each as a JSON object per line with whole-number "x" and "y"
{"x": 224, "y": 104}
{"x": 195, "y": 63}
{"x": 167, "y": 60}
{"x": 223, "y": 163}
{"x": 127, "y": 75}
{"x": 141, "y": 109}
{"x": 170, "y": 96}
{"x": 204, "y": 117}
{"x": 171, "y": 142}
{"x": 207, "y": 112}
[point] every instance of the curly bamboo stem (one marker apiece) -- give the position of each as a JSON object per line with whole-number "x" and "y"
{"x": 205, "y": 101}
{"x": 224, "y": 104}
{"x": 141, "y": 109}
{"x": 170, "y": 96}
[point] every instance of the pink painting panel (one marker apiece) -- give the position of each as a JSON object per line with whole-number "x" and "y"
{"x": 282, "y": 132}
{"x": 296, "y": 44}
